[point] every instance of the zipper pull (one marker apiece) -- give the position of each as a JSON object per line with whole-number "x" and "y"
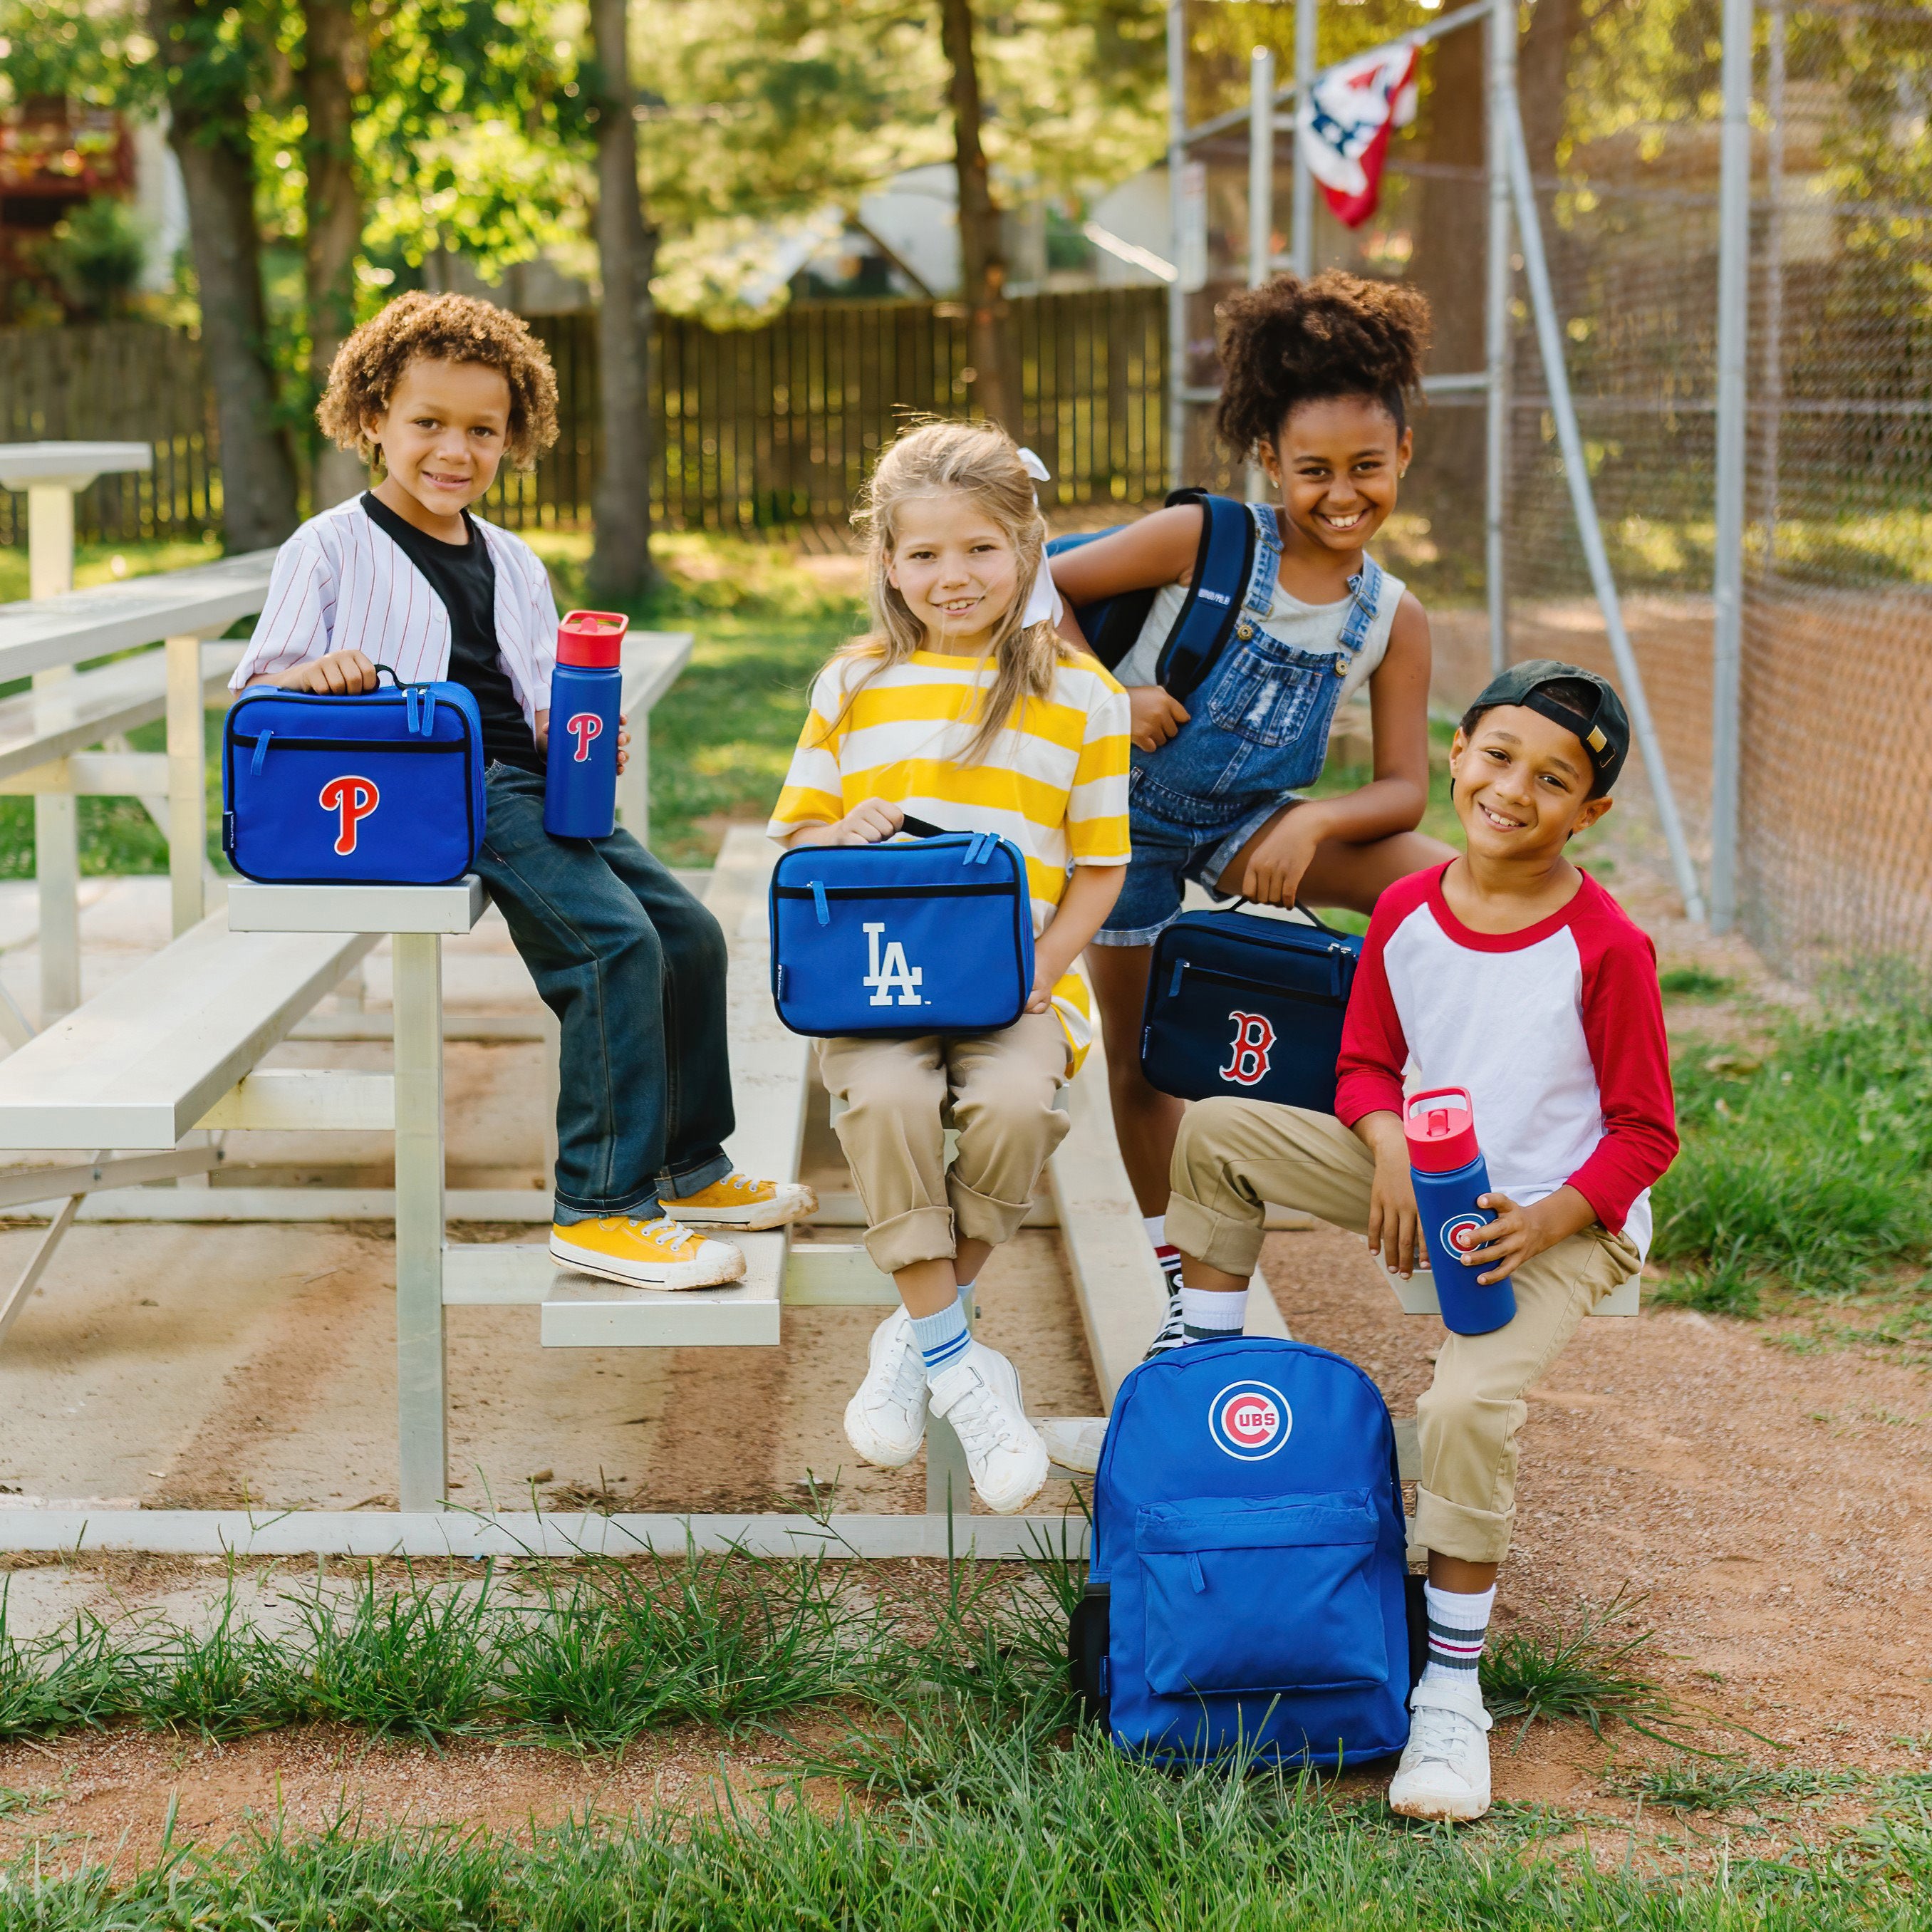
{"x": 409, "y": 710}
{"x": 818, "y": 900}
{"x": 261, "y": 752}
{"x": 428, "y": 712}
{"x": 1174, "y": 985}
{"x": 988, "y": 845}
{"x": 1195, "y": 1576}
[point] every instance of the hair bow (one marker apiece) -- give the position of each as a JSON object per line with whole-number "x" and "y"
{"x": 1042, "y": 605}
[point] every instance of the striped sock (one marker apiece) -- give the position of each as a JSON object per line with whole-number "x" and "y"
{"x": 1207, "y": 1312}
{"x": 1164, "y": 1252}
{"x": 942, "y": 1338}
{"x": 1458, "y": 1623}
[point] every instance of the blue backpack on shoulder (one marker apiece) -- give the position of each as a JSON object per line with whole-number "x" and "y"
{"x": 1249, "y": 1588}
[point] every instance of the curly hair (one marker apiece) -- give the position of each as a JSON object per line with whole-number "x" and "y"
{"x": 1291, "y": 342}
{"x": 439, "y": 328}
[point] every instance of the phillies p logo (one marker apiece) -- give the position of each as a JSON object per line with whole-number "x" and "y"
{"x": 583, "y": 726}
{"x": 1254, "y": 1043}
{"x": 352, "y": 799}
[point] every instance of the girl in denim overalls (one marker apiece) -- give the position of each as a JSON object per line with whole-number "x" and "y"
{"x": 1318, "y": 376}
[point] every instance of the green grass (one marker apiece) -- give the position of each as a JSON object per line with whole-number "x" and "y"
{"x": 1807, "y": 1165}
{"x": 1694, "y": 982}
{"x": 1703, "y": 1784}
{"x": 1583, "y": 1672}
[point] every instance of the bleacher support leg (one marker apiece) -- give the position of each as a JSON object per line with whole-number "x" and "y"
{"x": 57, "y": 876}
{"x": 423, "y": 1447}
{"x": 187, "y": 783}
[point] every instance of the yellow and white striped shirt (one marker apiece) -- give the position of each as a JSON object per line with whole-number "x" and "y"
{"x": 1055, "y": 782}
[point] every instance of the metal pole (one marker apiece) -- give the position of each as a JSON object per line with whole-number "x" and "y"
{"x": 1177, "y": 296}
{"x": 187, "y": 785}
{"x": 1501, "y": 29}
{"x": 1301, "y": 234}
{"x": 1727, "y": 576}
{"x": 1772, "y": 417}
{"x": 1570, "y": 441}
{"x": 423, "y": 1454}
{"x": 1260, "y": 202}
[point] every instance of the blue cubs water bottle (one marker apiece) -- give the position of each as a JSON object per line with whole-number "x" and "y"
{"x": 585, "y": 692}
{"x": 1450, "y": 1177}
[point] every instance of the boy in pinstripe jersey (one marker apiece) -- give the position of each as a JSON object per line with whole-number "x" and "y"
{"x": 440, "y": 389}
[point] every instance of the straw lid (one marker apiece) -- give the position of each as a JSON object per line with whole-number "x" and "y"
{"x": 1440, "y": 1126}
{"x": 592, "y": 640}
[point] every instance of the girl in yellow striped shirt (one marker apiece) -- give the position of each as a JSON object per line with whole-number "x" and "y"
{"x": 961, "y": 707}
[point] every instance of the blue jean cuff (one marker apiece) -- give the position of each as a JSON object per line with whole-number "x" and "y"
{"x": 680, "y": 1184}
{"x": 1138, "y": 935}
{"x": 645, "y": 1207}
{"x": 1208, "y": 873}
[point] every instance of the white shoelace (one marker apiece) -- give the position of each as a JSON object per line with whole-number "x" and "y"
{"x": 907, "y": 1381}
{"x": 978, "y": 1421}
{"x": 1441, "y": 1736}
{"x": 1173, "y": 1330}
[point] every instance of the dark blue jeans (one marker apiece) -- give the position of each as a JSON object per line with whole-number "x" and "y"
{"x": 634, "y": 968}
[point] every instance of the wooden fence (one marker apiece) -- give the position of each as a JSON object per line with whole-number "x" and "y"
{"x": 758, "y": 430}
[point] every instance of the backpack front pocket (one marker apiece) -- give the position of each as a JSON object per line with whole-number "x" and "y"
{"x": 1274, "y": 1594}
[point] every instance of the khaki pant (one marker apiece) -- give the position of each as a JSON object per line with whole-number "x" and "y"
{"x": 1234, "y": 1155}
{"x": 997, "y": 1088}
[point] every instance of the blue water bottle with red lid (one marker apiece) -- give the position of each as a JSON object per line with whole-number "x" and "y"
{"x": 585, "y": 694}
{"x": 1450, "y": 1177}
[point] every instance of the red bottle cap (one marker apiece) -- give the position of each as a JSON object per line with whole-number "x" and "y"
{"x": 1441, "y": 1125}
{"x": 592, "y": 640}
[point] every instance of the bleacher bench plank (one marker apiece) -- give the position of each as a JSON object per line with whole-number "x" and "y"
{"x": 140, "y": 1063}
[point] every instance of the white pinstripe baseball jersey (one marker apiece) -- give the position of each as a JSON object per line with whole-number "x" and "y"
{"x": 341, "y": 584}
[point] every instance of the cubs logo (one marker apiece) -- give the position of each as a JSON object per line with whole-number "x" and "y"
{"x": 1249, "y": 1056}
{"x": 1461, "y": 1232}
{"x": 583, "y": 726}
{"x": 890, "y": 973}
{"x": 1249, "y": 1421}
{"x": 352, "y": 799}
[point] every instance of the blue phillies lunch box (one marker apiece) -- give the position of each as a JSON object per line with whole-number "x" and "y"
{"x": 1238, "y": 1004}
{"x": 932, "y": 934}
{"x": 383, "y": 789}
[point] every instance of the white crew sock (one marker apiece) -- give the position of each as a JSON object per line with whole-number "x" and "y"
{"x": 1156, "y": 1225}
{"x": 1459, "y": 1621}
{"x": 942, "y": 1338}
{"x": 966, "y": 1299}
{"x": 1207, "y": 1312}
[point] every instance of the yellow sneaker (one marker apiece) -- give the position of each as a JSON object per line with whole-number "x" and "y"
{"x": 739, "y": 1201}
{"x": 662, "y": 1253}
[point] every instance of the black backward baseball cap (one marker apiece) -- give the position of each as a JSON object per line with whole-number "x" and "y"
{"x": 1604, "y": 729}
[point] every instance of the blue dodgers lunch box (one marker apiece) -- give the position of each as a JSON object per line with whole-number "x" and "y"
{"x": 1237, "y": 1004}
{"x": 385, "y": 788}
{"x": 932, "y": 934}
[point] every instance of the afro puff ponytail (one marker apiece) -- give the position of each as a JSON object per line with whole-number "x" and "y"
{"x": 1291, "y": 342}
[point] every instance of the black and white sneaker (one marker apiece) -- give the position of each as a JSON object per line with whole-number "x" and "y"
{"x": 1173, "y": 1329}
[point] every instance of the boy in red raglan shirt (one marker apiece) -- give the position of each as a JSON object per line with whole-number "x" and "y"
{"x": 1511, "y": 973}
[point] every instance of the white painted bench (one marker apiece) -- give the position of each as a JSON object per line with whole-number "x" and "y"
{"x": 44, "y": 734}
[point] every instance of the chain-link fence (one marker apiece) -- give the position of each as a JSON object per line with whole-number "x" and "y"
{"x": 1621, "y": 109}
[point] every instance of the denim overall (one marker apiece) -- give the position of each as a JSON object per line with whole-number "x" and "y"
{"x": 1257, "y": 730}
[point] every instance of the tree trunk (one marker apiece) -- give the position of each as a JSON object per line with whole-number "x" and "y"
{"x": 333, "y": 66}
{"x": 208, "y": 131}
{"x": 983, "y": 271}
{"x": 620, "y": 558}
{"x": 1542, "y": 78}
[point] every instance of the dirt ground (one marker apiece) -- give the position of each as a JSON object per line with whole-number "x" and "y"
{"x": 1764, "y": 1511}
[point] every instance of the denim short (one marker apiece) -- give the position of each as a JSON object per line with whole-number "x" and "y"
{"x": 1166, "y": 857}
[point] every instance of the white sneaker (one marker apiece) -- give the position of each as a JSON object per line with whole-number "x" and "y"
{"x": 885, "y": 1422}
{"x": 663, "y": 1253}
{"x": 1444, "y": 1771}
{"x": 1075, "y": 1441}
{"x": 979, "y": 1395}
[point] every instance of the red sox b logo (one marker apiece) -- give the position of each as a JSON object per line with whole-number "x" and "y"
{"x": 583, "y": 726}
{"x": 1254, "y": 1042}
{"x": 352, "y": 799}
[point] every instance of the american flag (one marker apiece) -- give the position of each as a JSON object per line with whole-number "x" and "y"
{"x": 1344, "y": 126}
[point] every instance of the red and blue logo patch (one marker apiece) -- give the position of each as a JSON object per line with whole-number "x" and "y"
{"x": 1249, "y": 1420}
{"x": 1462, "y": 1232}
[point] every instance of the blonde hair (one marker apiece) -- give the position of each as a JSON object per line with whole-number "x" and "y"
{"x": 983, "y": 462}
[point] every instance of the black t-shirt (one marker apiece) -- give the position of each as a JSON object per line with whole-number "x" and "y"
{"x": 464, "y": 576}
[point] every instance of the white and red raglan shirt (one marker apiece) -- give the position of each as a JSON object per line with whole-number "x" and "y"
{"x": 1556, "y": 1031}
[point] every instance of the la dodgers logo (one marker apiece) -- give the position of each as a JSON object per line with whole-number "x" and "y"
{"x": 891, "y": 973}
{"x": 352, "y": 799}
{"x": 1462, "y": 1232}
{"x": 1249, "y": 1421}
{"x": 1254, "y": 1043}
{"x": 583, "y": 726}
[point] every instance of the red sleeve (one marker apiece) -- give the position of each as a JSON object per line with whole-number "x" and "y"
{"x": 1374, "y": 1050}
{"x": 1623, "y": 1021}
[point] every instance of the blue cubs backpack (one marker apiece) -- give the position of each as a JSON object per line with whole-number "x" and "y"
{"x": 932, "y": 934}
{"x": 385, "y": 788}
{"x": 1222, "y": 562}
{"x": 1240, "y": 1004}
{"x": 1249, "y": 1590}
